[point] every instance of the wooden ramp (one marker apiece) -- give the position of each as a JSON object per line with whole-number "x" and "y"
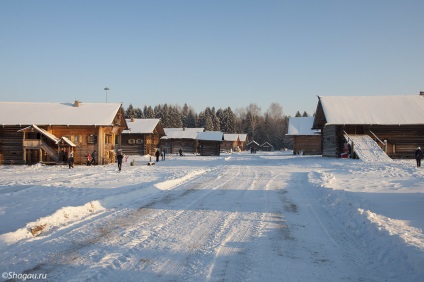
{"x": 367, "y": 149}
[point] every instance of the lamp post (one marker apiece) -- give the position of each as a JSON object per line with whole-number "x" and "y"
{"x": 106, "y": 89}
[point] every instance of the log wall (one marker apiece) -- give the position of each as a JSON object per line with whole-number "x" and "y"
{"x": 308, "y": 144}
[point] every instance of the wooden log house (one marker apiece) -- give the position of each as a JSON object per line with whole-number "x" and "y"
{"x": 253, "y": 146}
{"x": 48, "y": 132}
{"x": 180, "y": 138}
{"x": 396, "y": 123}
{"x": 306, "y": 141}
{"x": 267, "y": 147}
{"x": 142, "y": 137}
{"x": 209, "y": 143}
{"x": 234, "y": 142}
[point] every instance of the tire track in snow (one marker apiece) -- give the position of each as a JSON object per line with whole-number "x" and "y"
{"x": 108, "y": 229}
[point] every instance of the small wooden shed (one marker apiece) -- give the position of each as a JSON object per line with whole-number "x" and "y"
{"x": 180, "y": 138}
{"x": 253, "y": 146}
{"x": 209, "y": 143}
{"x": 266, "y": 146}
{"x": 306, "y": 141}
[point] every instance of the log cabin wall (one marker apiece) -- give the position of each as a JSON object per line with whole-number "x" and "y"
{"x": 330, "y": 141}
{"x": 87, "y": 139}
{"x": 228, "y": 145}
{"x": 11, "y": 149}
{"x": 308, "y": 144}
{"x": 188, "y": 146}
{"x": 140, "y": 143}
{"x": 209, "y": 148}
{"x": 132, "y": 144}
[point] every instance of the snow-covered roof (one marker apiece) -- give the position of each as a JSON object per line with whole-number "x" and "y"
{"x": 253, "y": 142}
{"x": 142, "y": 126}
{"x": 301, "y": 126}
{"x": 27, "y": 113}
{"x": 231, "y": 137}
{"x": 384, "y": 110}
{"x": 182, "y": 133}
{"x": 210, "y": 136}
{"x": 266, "y": 144}
{"x": 243, "y": 137}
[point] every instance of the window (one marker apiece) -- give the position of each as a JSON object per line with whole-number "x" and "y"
{"x": 108, "y": 139}
{"x": 76, "y": 139}
{"x": 92, "y": 139}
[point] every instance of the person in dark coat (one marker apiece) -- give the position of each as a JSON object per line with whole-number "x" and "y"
{"x": 71, "y": 161}
{"x": 157, "y": 155}
{"x": 120, "y": 156}
{"x": 94, "y": 157}
{"x": 418, "y": 156}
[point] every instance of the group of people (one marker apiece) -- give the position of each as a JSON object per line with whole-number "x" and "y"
{"x": 91, "y": 159}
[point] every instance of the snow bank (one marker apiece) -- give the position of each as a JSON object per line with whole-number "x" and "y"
{"x": 61, "y": 217}
{"x": 381, "y": 235}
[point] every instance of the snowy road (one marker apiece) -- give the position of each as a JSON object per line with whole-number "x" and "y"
{"x": 239, "y": 218}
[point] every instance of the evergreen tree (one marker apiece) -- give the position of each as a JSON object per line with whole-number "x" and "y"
{"x": 201, "y": 120}
{"x": 215, "y": 120}
{"x": 149, "y": 112}
{"x": 191, "y": 119}
{"x": 175, "y": 117}
{"x": 184, "y": 115}
{"x": 228, "y": 121}
{"x": 208, "y": 120}
{"x": 138, "y": 113}
{"x": 298, "y": 114}
{"x": 130, "y": 112}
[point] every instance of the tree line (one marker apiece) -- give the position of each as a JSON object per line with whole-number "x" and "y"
{"x": 268, "y": 127}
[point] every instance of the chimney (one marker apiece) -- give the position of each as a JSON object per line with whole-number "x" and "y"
{"x": 422, "y": 93}
{"x": 77, "y": 103}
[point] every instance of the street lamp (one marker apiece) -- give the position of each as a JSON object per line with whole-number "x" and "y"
{"x": 106, "y": 89}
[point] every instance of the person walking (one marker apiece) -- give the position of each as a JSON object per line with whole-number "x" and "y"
{"x": 120, "y": 156}
{"x": 94, "y": 157}
{"x": 88, "y": 159}
{"x": 418, "y": 156}
{"x": 157, "y": 155}
{"x": 71, "y": 160}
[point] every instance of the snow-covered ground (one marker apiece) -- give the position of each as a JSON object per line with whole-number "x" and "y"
{"x": 239, "y": 217}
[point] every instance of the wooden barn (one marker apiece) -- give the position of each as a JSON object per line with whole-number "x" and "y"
{"x": 180, "y": 138}
{"x": 253, "y": 146}
{"x": 306, "y": 141}
{"x": 142, "y": 137}
{"x": 266, "y": 146}
{"x": 234, "y": 142}
{"x": 395, "y": 123}
{"x": 49, "y": 132}
{"x": 209, "y": 143}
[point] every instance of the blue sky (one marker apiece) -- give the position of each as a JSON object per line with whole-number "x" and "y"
{"x": 210, "y": 53}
